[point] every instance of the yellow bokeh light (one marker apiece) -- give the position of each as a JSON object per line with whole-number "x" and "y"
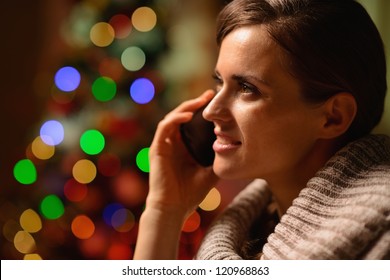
{"x": 144, "y": 19}
{"x": 102, "y": 34}
{"x": 32, "y": 257}
{"x": 24, "y": 242}
{"x": 30, "y": 221}
{"x": 84, "y": 171}
{"x": 41, "y": 150}
{"x": 10, "y": 228}
{"x": 211, "y": 201}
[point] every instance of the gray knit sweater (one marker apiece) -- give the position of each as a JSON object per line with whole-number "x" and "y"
{"x": 342, "y": 213}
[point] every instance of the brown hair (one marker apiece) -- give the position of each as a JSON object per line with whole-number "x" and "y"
{"x": 331, "y": 46}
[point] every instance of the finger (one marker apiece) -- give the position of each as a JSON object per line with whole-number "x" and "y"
{"x": 168, "y": 128}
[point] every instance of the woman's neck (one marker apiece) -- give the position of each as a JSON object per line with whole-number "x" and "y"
{"x": 287, "y": 185}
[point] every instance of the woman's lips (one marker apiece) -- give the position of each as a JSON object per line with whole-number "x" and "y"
{"x": 224, "y": 143}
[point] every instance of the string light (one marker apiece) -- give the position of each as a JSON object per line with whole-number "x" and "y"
{"x": 133, "y": 58}
{"x": 123, "y": 220}
{"x": 92, "y": 142}
{"x": 41, "y": 150}
{"x": 30, "y": 221}
{"x": 122, "y": 25}
{"x": 192, "y": 223}
{"x": 104, "y": 89}
{"x": 84, "y": 171}
{"x": 32, "y": 257}
{"x": 24, "y": 242}
{"x": 102, "y": 34}
{"x": 211, "y": 201}
{"x": 67, "y": 79}
{"x": 109, "y": 164}
{"x": 142, "y": 160}
{"x": 111, "y": 67}
{"x": 75, "y": 191}
{"x": 144, "y": 19}
{"x": 142, "y": 91}
{"x": 81, "y": 96}
{"x": 52, "y": 207}
{"x": 25, "y": 172}
{"x": 82, "y": 227}
{"x": 52, "y": 132}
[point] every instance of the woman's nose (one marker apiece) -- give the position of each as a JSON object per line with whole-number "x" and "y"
{"x": 217, "y": 109}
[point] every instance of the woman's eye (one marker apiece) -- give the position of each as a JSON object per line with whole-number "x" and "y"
{"x": 218, "y": 83}
{"x": 246, "y": 88}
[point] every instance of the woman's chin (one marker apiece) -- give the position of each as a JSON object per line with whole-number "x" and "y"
{"x": 226, "y": 170}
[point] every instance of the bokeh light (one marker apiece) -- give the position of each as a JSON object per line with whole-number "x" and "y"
{"x": 142, "y": 160}
{"x": 96, "y": 246}
{"x": 24, "y": 242}
{"x": 102, "y": 34}
{"x": 111, "y": 67}
{"x": 92, "y": 142}
{"x": 122, "y": 25}
{"x": 192, "y": 223}
{"x": 52, "y": 132}
{"x": 67, "y": 79}
{"x": 119, "y": 251}
{"x": 144, "y": 19}
{"x": 211, "y": 201}
{"x": 142, "y": 91}
{"x": 75, "y": 191}
{"x": 130, "y": 188}
{"x": 82, "y": 227}
{"x": 10, "y": 228}
{"x": 84, "y": 171}
{"x": 109, "y": 164}
{"x": 31, "y": 257}
{"x": 52, "y": 207}
{"x": 109, "y": 212}
{"x": 30, "y": 221}
{"x": 104, "y": 89}
{"x": 25, "y": 172}
{"x": 41, "y": 150}
{"x": 92, "y": 124}
{"x": 123, "y": 220}
{"x": 133, "y": 58}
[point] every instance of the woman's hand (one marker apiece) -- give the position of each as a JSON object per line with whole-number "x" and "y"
{"x": 177, "y": 184}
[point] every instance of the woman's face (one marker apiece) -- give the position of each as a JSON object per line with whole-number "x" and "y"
{"x": 264, "y": 128}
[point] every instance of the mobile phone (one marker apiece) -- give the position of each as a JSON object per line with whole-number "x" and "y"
{"x": 198, "y": 136}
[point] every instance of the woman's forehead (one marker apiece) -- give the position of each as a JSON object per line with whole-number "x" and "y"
{"x": 250, "y": 49}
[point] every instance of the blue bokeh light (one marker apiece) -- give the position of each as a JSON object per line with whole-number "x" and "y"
{"x": 142, "y": 91}
{"x": 109, "y": 211}
{"x": 52, "y": 132}
{"x": 67, "y": 79}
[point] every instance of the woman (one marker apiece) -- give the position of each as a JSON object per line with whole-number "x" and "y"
{"x": 300, "y": 86}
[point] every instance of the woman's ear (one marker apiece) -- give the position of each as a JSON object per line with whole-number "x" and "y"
{"x": 339, "y": 111}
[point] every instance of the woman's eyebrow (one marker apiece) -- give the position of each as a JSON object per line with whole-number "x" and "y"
{"x": 245, "y": 77}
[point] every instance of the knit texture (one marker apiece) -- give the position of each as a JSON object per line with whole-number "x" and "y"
{"x": 342, "y": 213}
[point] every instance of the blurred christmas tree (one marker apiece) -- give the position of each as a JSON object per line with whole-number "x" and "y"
{"x": 84, "y": 180}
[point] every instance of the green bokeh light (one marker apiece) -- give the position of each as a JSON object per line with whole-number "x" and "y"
{"x": 92, "y": 142}
{"x": 104, "y": 89}
{"x": 52, "y": 207}
{"x": 142, "y": 160}
{"x": 25, "y": 172}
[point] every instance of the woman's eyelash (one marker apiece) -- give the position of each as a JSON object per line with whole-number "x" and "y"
{"x": 244, "y": 86}
{"x": 247, "y": 87}
{"x": 216, "y": 78}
